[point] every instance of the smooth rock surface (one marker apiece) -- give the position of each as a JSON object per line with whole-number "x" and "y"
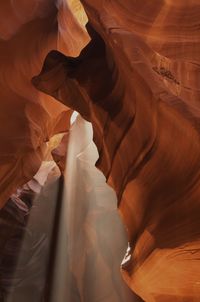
{"x": 137, "y": 83}
{"x": 28, "y": 118}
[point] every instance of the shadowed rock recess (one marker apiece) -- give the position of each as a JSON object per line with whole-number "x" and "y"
{"x": 134, "y": 73}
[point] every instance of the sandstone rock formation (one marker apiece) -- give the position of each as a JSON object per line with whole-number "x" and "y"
{"x": 137, "y": 83}
{"x": 28, "y": 31}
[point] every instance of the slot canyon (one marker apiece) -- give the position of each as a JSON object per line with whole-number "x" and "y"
{"x": 99, "y": 151}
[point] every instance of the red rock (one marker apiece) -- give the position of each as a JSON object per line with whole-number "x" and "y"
{"x": 28, "y": 118}
{"x": 137, "y": 82}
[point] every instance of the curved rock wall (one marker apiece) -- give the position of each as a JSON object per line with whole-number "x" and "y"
{"x": 28, "y": 118}
{"x": 137, "y": 82}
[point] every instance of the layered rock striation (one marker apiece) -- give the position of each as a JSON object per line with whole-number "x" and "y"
{"x": 28, "y": 118}
{"x": 137, "y": 83}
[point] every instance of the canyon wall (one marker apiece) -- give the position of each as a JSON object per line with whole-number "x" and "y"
{"x": 29, "y": 118}
{"x": 137, "y": 83}
{"x": 136, "y": 79}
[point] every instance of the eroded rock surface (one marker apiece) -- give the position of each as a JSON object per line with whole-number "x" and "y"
{"x": 28, "y": 118}
{"x": 137, "y": 82}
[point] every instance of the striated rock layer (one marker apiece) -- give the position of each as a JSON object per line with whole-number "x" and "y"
{"x": 137, "y": 82}
{"x": 28, "y": 118}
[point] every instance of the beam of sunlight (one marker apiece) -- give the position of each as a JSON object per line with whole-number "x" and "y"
{"x": 73, "y": 117}
{"x": 91, "y": 233}
{"x": 89, "y": 240}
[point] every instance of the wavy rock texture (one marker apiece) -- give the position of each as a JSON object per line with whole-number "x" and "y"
{"x": 28, "y": 118}
{"x": 137, "y": 82}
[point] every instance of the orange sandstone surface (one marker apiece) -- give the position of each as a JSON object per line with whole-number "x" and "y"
{"x": 135, "y": 77}
{"x": 28, "y": 31}
{"x": 137, "y": 82}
